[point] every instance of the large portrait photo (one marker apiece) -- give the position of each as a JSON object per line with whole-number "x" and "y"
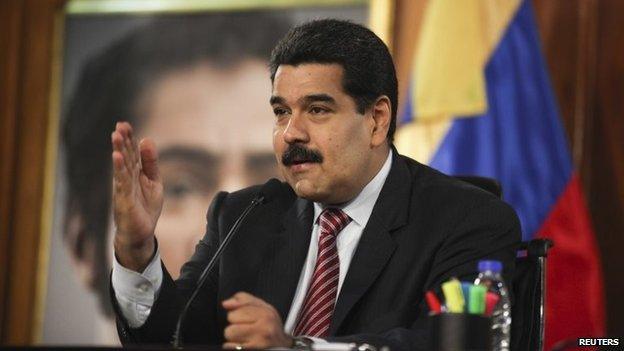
{"x": 196, "y": 82}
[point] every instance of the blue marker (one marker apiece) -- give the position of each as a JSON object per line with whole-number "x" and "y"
{"x": 466, "y": 291}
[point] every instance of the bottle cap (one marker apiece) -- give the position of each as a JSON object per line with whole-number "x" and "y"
{"x": 490, "y": 265}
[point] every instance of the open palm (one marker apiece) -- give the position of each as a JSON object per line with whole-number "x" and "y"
{"x": 137, "y": 192}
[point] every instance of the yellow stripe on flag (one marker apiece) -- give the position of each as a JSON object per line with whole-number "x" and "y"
{"x": 420, "y": 140}
{"x": 456, "y": 41}
{"x": 457, "y": 38}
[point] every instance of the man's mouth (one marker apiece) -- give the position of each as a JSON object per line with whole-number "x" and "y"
{"x": 300, "y": 165}
{"x": 300, "y": 161}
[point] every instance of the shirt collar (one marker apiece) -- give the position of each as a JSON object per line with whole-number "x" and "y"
{"x": 360, "y": 208}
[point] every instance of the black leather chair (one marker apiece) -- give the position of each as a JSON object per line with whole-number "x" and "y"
{"x": 487, "y": 184}
{"x": 529, "y": 283}
{"x": 529, "y": 289}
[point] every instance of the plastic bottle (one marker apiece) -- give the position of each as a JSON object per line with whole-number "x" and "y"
{"x": 490, "y": 276}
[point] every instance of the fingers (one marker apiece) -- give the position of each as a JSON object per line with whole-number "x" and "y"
{"x": 242, "y": 328}
{"x": 245, "y": 314}
{"x": 120, "y": 172}
{"x": 241, "y": 299}
{"x": 118, "y": 162}
{"x": 128, "y": 147}
{"x": 237, "y": 346}
{"x": 132, "y": 145}
{"x": 125, "y": 152}
{"x": 238, "y": 333}
{"x": 254, "y": 323}
{"x": 149, "y": 159}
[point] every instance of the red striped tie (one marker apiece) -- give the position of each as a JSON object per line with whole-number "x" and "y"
{"x": 318, "y": 306}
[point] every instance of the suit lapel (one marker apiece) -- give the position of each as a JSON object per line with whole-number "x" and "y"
{"x": 376, "y": 244}
{"x": 290, "y": 257}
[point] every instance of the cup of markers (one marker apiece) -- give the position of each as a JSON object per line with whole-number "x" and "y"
{"x": 461, "y": 319}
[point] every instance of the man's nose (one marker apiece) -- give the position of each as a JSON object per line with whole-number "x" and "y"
{"x": 296, "y": 130}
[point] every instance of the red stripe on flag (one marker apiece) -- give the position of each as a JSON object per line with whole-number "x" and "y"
{"x": 574, "y": 296}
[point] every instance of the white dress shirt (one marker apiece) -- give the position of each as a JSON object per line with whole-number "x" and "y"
{"x": 136, "y": 292}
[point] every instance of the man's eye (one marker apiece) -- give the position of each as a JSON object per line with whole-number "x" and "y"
{"x": 177, "y": 190}
{"x": 279, "y": 111}
{"x": 316, "y": 110}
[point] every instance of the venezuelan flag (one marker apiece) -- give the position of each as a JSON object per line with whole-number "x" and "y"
{"x": 481, "y": 104}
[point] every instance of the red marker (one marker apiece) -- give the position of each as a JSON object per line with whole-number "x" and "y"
{"x": 491, "y": 299}
{"x": 433, "y": 302}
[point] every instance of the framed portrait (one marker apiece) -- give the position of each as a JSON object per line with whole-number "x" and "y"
{"x": 192, "y": 76}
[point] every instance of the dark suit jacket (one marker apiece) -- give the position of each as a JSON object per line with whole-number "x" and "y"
{"x": 424, "y": 229}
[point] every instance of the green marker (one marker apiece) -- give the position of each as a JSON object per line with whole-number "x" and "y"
{"x": 476, "y": 305}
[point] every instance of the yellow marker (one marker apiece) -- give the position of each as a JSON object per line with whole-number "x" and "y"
{"x": 453, "y": 295}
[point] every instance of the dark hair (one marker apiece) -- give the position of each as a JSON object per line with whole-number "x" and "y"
{"x": 107, "y": 92}
{"x": 368, "y": 68}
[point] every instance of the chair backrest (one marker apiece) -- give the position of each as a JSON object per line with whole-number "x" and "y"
{"x": 487, "y": 184}
{"x": 529, "y": 284}
{"x": 529, "y": 289}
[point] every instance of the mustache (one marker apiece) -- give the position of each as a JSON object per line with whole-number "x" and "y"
{"x": 299, "y": 154}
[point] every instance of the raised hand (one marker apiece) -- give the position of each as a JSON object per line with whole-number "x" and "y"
{"x": 137, "y": 197}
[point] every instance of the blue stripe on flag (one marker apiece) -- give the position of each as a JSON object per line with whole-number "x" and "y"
{"x": 520, "y": 140}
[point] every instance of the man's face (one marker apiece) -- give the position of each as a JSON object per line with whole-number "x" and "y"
{"x": 211, "y": 127}
{"x": 315, "y": 116}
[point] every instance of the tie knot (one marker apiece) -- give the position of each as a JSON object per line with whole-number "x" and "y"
{"x": 332, "y": 221}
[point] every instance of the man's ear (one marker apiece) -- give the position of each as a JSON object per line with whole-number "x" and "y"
{"x": 382, "y": 115}
{"x": 81, "y": 247}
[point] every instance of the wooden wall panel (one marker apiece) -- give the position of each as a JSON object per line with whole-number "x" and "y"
{"x": 10, "y": 25}
{"x": 582, "y": 41}
{"x": 606, "y": 198}
{"x": 26, "y": 120}
{"x": 568, "y": 34}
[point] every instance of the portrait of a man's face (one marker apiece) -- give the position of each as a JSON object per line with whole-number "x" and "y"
{"x": 198, "y": 85}
{"x": 180, "y": 86}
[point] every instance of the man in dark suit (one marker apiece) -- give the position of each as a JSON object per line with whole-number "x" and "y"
{"x": 345, "y": 250}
